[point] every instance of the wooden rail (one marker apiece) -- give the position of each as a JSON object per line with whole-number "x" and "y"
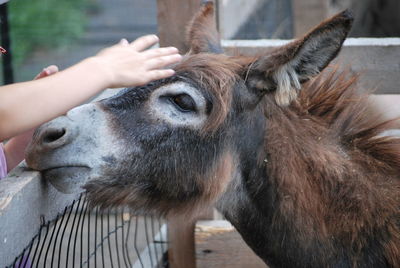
{"x": 218, "y": 244}
{"x": 26, "y": 201}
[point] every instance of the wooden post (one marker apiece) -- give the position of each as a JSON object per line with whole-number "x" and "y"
{"x": 181, "y": 243}
{"x": 173, "y": 17}
{"x": 181, "y": 246}
{"x": 308, "y": 14}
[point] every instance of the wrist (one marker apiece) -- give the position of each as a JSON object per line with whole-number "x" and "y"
{"x": 98, "y": 68}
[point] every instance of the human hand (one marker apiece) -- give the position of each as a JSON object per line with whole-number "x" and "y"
{"x": 130, "y": 64}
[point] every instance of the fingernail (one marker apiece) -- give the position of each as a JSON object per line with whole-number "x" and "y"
{"x": 124, "y": 42}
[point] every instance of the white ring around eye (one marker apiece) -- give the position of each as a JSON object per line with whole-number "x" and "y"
{"x": 166, "y": 111}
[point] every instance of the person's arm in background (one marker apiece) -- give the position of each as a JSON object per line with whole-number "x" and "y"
{"x": 26, "y": 105}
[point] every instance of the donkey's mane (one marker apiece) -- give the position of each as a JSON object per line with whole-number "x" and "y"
{"x": 332, "y": 172}
{"x": 334, "y": 101}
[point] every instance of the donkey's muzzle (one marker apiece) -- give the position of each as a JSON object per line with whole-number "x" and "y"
{"x": 48, "y": 138}
{"x": 71, "y": 149}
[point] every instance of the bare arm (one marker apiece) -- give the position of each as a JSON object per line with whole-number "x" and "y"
{"x": 26, "y": 105}
{"x": 14, "y": 149}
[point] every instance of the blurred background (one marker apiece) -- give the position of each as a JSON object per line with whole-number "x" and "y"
{"x": 63, "y": 32}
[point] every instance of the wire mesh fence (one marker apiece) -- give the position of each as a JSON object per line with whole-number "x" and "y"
{"x": 85, "y": 237}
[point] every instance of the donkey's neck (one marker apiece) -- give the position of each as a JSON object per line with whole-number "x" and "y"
{"x": 238, "y": 208}
{"x": 283, "y": 202}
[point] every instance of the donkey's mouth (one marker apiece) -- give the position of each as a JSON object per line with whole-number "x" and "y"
{"x": 67, "y": 179}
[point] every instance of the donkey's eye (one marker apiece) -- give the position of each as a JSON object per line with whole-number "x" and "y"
{"x": 184, "y": 102}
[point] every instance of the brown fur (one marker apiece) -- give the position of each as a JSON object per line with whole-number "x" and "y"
{"x": 339, "y": 179}
{"x": 210, "y": 185}
{"x": 312, "y": 176}
{"x": 216, "y": 74}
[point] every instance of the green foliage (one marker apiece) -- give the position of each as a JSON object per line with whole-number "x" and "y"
{"x": 44, "y": 24}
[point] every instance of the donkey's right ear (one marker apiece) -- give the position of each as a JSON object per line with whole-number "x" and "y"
{"x": 284, "y": 70}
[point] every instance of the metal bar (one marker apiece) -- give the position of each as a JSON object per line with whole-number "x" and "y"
{"x": 8, "y": 74}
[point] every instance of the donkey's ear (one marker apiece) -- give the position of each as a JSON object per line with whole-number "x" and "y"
{"x": 202, "y": 34}
{"x": 283, "y": 70}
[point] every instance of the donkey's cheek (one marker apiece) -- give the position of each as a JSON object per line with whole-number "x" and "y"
{"x": 220, "y": 177}
{"x": 67, "y": 179}
{"x": 211, "y": 186}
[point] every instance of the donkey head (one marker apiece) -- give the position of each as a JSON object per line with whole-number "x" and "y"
{"x": 176, "y": 144}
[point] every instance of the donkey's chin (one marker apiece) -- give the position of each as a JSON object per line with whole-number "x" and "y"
{"x": 68, "y": 179}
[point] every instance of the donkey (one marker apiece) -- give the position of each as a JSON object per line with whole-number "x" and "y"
{"x": 289, "y": 155}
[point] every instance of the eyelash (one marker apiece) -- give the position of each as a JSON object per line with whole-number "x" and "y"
{"x": 185, "y": 105}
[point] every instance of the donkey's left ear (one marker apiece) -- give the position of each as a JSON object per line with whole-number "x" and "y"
{"x": 283, "y": 70}
{"x": 202, "y": 34}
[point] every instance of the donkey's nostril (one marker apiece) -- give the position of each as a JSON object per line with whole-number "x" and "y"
{"x": 53, "y": 135}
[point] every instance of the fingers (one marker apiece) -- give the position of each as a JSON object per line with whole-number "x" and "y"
{"x": 160, "y": 62}
{"x": 49, "y": 70}
{"x": 124, "y": 42}
{"x": 158, "y": 52}
{"x": 144, "y": 42}
{"x": 52, "y": 69}
{"x": 158, "y": 74}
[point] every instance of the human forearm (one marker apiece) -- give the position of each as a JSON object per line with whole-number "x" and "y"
{"x": 26, "y": 105}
